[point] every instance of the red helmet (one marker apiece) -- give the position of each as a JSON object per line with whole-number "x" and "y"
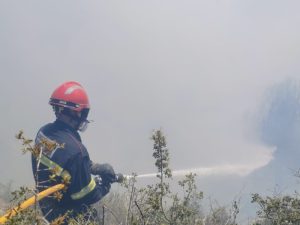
{"x": 70, "y": 95}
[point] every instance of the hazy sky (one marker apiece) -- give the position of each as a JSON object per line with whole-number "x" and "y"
{"x": 197, "y": 69}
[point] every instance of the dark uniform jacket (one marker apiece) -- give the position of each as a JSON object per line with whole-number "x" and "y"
{"x": 69, "y": 155}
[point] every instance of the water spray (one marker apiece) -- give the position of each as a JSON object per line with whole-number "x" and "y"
{"x": 239, "y": 170}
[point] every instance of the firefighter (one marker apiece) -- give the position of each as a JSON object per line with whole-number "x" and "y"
{"x": 63, "y": 157}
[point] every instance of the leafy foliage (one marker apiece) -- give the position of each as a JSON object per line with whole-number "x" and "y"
{"x": 278, "y": 210}
{"x": 156, "y": 204}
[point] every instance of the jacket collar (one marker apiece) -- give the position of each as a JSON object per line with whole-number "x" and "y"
{"x": 62, "y": 125}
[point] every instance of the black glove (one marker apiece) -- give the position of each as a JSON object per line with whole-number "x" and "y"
{"x": 105, "y": 171}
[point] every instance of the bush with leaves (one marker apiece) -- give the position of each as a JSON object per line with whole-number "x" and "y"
{"x": 277, "y": 210}
{"x": 155, "y": 204}
{"x": 221, "y": 215}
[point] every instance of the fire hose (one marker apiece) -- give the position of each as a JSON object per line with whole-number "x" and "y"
{"x": 29, "y": 202}
{"x": 34, "y": 199}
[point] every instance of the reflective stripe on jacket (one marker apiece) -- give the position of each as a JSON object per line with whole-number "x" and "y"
{"x": 59, "y": 171}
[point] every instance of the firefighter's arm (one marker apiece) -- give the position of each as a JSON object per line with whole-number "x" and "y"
{"x": 83, "y": 187}
{"x": 105, "y": 171}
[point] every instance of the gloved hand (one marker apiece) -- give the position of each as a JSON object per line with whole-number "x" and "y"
{"x": 105, "y": 171}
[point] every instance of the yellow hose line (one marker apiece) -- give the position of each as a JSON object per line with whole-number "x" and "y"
{"x": 29, "y": 202}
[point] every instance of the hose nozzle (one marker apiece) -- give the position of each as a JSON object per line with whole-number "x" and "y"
{"x": 119, "y": 178}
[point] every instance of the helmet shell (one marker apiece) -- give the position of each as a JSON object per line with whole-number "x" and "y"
{"x": 70, "y": 95}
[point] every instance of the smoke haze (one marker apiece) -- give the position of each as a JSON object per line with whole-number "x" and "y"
{"x": 197, "y": 69}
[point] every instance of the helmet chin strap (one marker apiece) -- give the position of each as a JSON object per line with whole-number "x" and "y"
{"x": 83, "y": 126}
